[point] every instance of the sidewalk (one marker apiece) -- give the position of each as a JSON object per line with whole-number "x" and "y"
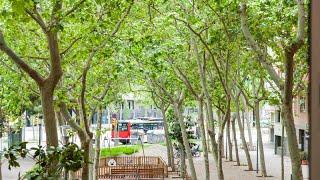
{"x": 231, "y": 172}
{"x": 13, "y": 174}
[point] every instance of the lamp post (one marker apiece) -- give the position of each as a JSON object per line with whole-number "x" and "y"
{"x": 40, "y": 130}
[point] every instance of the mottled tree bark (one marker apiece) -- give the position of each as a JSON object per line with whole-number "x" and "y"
{"x": 183, "y": 169}
{"x": 178, "y": 112}
{"x": 85, "y": 145}
{"x": 235, "y": 140}
{"x": 211, "y": 132}
{"x": 1, "y": 167}
{"x": 203, "y": 138}
{"x": 247, "y": 121}
{"x": 242, "y": 135}
{"x": 259, "y": 136}
{"x": 168, "y": 140}
{"x": 229, "y": 142}
{"x": 220, "y": 139}
{"x": 97, "y": 147}
{"x": 49, "y": 116}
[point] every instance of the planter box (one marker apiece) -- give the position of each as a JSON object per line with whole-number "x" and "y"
{"x": 305, "y": 171}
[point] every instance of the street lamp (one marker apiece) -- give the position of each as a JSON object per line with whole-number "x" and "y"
{"x": 40, "y": 129}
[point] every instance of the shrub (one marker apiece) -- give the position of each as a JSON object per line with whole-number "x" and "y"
{"x": 303, "y": 155}
{"x": 120, "y": 150}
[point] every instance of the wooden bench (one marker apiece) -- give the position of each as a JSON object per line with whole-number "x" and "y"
{"x": 122, "y": 172}
{"x": 141, "y": 167}
{"x": 151, "y": 172}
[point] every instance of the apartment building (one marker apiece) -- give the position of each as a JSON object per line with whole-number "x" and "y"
{"x": 130, "y": 107}
{"x": 300, "y": 114}
{"x": 301, "y": 121}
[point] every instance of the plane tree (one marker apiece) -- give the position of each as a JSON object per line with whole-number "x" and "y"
{"x": 286, "y": 40}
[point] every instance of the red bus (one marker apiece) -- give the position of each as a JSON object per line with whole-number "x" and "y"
{"x": 125, "y": 127}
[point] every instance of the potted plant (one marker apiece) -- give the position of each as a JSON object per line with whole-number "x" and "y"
{"x": 304, "y": 158}
{"x": 304, "y": 164}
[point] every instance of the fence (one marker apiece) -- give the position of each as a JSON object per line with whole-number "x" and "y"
{"x": 137, "y": 167}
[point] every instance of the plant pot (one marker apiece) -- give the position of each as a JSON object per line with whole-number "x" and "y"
{"x": 304, "y": 162}
{"x": 305, "y": 171}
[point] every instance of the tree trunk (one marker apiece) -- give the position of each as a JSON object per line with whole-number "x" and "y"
{"x": 91, "y": 160}
{"x": 60, "y": 124}
{"x": 235, "y": 140}
{"x": 229, "y": 141}
{"x": 177, "y": 109}
{"x": 220, "y": 139}
{"x": 203, "y": 138}
{"x": 288, "y": 122}
{"x": 72, "y": 175}
{"x": 211, "y": 129}
{"x": 219, "y": 164}
{"x": 247, "y": 121}
{"x": 97, "y": 142}
{"x": 85, "y": 145}
{"x": 0, "y": 166}
{"x": 85, "y": 139}
{"x": 172, "y": 155}
{"x": 282, "y": 153}
{"x": 242, "y": 135}
{"x": 223, "y": 149}
{"x": 49, "y": 121}
{"x": 49, "y": 116}
{"x": 259, "y": 136}
{"x": 292, "y": 141}
{"x": 206, "y": 128}
{"x": 183, "y": 160}
{"x": 168, "y": 140}
{"x": 1, "y": 119}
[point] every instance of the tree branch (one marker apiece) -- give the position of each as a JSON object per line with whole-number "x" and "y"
{"x": 70, "y": 46}
{"x": 35, "y": 57}
{"x": 104, "y": 93}
{"x": 69, "y": 120}
{"x": 17, "y": 60}
{"x": 36, "y": 17}
{"x": 209, "y": 50}
{"x": 185, "y": 80}
{"x": 75, "y": 7}
{"x": 87, "y": 66}
{"x": 246, "y": 97}
{"x": 254, "y": 45}
{"x": 126, "y": 13}
{"x": 298, "y": 42}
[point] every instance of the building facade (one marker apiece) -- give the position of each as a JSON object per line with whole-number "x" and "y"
{"x": 300, "y": 114}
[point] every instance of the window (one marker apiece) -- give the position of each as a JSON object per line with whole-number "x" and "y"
{"x": 302, "y": 104}
{"x": 277, "y": 117}
{"x": 131, "y": 104}
{"x": 301, "y": 139}
{"x": 272, "y": 116}
{"x": 123, "y": 126}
